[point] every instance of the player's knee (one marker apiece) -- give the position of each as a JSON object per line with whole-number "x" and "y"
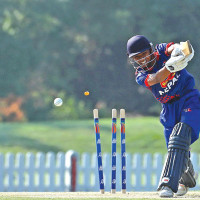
{"x": 180, "y": 137}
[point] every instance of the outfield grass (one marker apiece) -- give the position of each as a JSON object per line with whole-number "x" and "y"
{"x": 143, "y": 134}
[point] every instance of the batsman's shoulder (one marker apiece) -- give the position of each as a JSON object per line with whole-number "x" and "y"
{"x": 163, "y": 50}
{"x": 161, "y": 47}
{"x": 140, "y": 77}
{"x": 139, "y": 73}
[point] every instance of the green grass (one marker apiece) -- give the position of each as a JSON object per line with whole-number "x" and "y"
{"x": 143, "y": 134}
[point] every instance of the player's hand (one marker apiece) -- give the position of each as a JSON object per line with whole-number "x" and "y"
{"x": 174, "y": 60}
{"x": 178, "y": 60}
{"x": 177, "y": 50}
{"x": 177, "y": 63}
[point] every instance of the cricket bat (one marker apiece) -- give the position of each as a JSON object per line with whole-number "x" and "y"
{"x": 186, "y": 48}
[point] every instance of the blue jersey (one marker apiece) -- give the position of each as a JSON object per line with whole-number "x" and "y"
{"x": 180, "y": 101}
{"x": 174, "y": 86}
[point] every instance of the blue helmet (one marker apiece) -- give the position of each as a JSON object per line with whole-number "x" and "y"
{"x": 138, "y": 44}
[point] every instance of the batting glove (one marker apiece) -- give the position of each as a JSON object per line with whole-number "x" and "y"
{"x": 177, "y": 63}
{"x": 177, "y": 50}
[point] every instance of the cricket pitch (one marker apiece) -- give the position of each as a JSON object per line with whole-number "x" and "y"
{"x": 91, "y": 195}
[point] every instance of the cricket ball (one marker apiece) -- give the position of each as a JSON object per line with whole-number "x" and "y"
{"x": 58, "y": 102}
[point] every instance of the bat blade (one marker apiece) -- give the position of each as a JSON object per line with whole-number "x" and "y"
{"x": 186, "y": 48}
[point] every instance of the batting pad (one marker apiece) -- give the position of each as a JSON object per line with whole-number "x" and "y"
{"x": 177, "y": 158}
{"x": 188, "y": 177}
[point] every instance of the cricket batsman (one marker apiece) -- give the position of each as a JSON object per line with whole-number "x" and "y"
{"x": 162, "y": 71}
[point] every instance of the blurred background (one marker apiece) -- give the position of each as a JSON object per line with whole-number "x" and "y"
{"x": 62, "y": 48}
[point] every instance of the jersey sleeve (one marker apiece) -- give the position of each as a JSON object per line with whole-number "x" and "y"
{"x": 141, "y": 79}
{"x": 162, "y": 50}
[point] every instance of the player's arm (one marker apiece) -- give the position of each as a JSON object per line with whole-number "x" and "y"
{"x": 158, "y": 77}
{"x": 178, "y": 60}
{"x": 162, "y": 74}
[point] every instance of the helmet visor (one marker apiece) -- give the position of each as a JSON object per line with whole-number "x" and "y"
{"x": 145, "y": 63}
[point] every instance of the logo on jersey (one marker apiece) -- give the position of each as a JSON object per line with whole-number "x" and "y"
{"x": 187, "y": 110}
{"x": 164, "y": 83}
{"x": 169, "y": 83}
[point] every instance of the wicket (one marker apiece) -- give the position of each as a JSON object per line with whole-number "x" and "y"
{"x": 98, "y": 146}
{"x": 123, "y": 150}
{"x": 114, "y": 144}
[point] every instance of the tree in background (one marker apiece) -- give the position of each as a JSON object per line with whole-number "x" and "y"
{"x": 63, "y": 48}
